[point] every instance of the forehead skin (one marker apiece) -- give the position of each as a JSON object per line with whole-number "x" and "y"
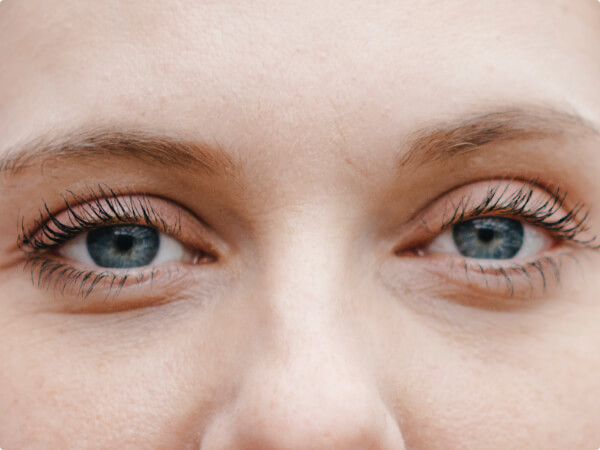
{"x": 253, "y": 75}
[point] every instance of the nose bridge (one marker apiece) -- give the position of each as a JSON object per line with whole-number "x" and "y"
{"x": 306, "y": 256}
{"x": 303, "y": 291}
{"x": 304, "y": 384}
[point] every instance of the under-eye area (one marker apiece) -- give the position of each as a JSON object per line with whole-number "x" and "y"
{"x": 509, "y": 238}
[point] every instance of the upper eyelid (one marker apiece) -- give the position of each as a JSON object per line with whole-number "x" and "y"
{"x": 500, "y": 199}
{"x": 568, "y": 221}
{"x": 121, "y": 208}
{"x": 85, "y": 214}
{"x": 122, "y": 203}
{"x": 521, "y": 204}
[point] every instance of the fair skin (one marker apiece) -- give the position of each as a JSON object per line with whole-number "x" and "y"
{"x": 314, "y": 302}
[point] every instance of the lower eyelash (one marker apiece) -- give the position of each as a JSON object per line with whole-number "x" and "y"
{"x": 545, "y": 269}
{"x": 59, "y": 277}
{"x": 522, "y": 279}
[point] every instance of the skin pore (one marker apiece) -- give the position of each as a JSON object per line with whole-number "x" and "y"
{"x": 310, "y": 159}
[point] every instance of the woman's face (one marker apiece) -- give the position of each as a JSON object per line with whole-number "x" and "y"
{"x": 290, "y": 225}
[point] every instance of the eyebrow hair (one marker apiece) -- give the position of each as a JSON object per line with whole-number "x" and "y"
{"x": 148, "y": 147}
{"x": 438, "y": 143}
{"x": 430, "y": 145}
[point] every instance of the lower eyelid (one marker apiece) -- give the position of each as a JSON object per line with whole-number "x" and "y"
{"x": 483, "y": 284}
{"x": 79, "y": 290}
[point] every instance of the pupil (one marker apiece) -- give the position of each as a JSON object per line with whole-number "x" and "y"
{"x": 485, "y": 235}
{"x": 124, "y": 242}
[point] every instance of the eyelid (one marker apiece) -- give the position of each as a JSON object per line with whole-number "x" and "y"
{"x": 79, "y": 291}
{"x": 489, "y": 284}
{"x": 70, "y": 281}
{"x": 166, "y": 216}
{"x": 466, "y": 202}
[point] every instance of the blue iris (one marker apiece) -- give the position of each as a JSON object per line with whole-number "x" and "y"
{"x": 489, "y": 237}
{"x": 123, "y": 246}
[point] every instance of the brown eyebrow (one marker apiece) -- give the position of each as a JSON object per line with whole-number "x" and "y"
{"x": 438, "y": 143}
{"x": 429, "y": 145}
{"x": 141, "y": 146}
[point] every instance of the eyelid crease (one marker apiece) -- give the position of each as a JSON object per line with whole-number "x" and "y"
{"x": 104, "y": 206}
{"x": 529, "y": 203}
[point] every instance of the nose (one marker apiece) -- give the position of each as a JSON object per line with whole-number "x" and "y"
{"x": 305, "y": 383}
{"x": 303, "y": 398}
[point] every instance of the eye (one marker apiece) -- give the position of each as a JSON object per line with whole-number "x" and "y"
{"x": 125, "y": 247}
{"x": 497, "y": 238}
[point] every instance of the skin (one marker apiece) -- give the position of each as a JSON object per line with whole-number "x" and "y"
{"x": 309, "y": 330}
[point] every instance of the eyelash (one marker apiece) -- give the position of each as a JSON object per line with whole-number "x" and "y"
{"x": 121, "y": 208}
{"x": 503, "y": 201}
{"x": 102, "y": 206}
{"x": 519, "y": 204}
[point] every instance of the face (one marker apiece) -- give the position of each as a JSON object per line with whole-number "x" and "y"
{"x": 299, "y": 225}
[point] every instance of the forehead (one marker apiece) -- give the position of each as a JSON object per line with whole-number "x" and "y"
{"x": 265, "y": 71}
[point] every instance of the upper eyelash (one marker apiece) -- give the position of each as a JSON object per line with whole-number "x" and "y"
{"x": 103, "y": 205}
{"x": 519, "y": 204}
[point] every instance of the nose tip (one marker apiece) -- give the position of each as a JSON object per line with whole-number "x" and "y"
{"x": 316, "y": 412}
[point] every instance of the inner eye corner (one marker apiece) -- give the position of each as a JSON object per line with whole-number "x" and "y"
{"x": 203, "y": 257}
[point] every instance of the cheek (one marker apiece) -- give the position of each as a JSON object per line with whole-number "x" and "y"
{"x": 523, "y": 379}
{"x": 149, "y": 377}
{"x": 460, "y": 378}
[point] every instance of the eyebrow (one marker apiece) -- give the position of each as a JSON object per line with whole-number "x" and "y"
{"x": 147, "y": 147}
{"x": 438, "y": 143}
{"x": 434, "y": 144}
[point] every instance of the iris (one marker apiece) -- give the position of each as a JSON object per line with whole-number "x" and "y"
{"x": 489, "y": 237}
{"x": 123, "y": 246}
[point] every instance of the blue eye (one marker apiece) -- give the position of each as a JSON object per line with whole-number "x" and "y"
{"x": 489, "y": 238}
{"x": 123, "y": 247}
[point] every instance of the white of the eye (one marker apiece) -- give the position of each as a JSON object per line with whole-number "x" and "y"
{"x": 534, "y": 241}
{"x": 169, "y": 249}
